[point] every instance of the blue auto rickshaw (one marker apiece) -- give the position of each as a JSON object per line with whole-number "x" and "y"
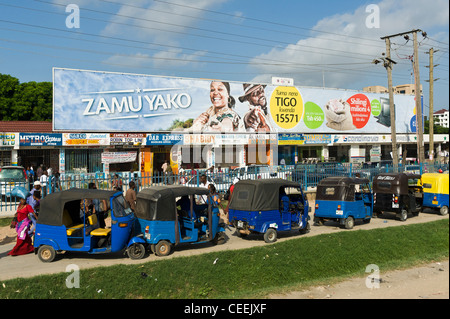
{"x": 343, "y": 199}
{"x": 171, "y": 215}
{"x": 267, "y": 206}
{"x": 63, "y": 226}
{"x": 435, "y": 192}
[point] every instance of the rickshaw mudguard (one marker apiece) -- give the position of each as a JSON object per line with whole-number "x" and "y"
{"x": 136, "y": 240}
{"x": 48, "y": 242}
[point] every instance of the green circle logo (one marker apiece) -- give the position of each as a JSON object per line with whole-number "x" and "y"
{"x": 376, "y": 107}
{"x": 314, "y": 115}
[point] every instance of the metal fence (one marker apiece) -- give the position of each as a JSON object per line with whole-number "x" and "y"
{"x": 308, "y": 175}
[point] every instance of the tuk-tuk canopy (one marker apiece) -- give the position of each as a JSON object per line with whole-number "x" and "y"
{"x": 159, "y": 202}
{"x": 338, "y": 188}
{"x": 434, "y": 183}
{"x": 393, "y": 183}
{"x": 52, "y": 206}
{"x": 259, "y": 194}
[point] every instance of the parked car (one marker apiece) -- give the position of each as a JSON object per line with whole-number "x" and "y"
{"x": 258, "y": 172}
{"x": 10, "y": 177}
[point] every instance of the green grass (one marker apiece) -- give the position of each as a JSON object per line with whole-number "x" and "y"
{"x": 5, "y": 221}
{"x": 254, "y": 272}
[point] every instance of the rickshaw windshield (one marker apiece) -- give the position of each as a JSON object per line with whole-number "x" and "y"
{"x": 120, "y": 208}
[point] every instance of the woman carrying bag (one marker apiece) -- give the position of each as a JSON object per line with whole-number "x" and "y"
{"x": 24, "y": 243}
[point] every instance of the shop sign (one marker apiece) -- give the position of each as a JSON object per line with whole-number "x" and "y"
{"x": 164, "y": 139}
{"x": 231, "y": 139}
{"x": 118, "y": 157}
{"x": 127, "y": 139}
{"x": 317, "y": 138}
{"x": 262, "y": 138}
{"x": 85, "y": 139}
{"x": 199, "y": 139}
{"x": 351, "y": 139}
{"x": 291, "y": 139}
{"x": 8, "y": 139}
{"x": 33, "y": 139}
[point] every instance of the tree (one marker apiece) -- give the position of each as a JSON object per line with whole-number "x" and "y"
{"x": 437, "y": 129}
{"x": 28, "y": 101}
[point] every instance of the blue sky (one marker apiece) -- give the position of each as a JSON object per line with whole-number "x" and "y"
{"x": 318, "y": 43}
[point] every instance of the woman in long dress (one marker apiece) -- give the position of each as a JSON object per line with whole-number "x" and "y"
{"x": 24, "y": 243}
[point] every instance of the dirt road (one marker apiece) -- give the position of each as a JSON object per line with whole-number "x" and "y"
{"x": 29, "y": 265}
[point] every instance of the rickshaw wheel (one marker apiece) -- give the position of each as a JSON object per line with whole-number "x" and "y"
{"x": 219, "y": 239}
{"x": 305, "y": 230}
{"x": 443, "y": 211}
{"x": 163, "y": 248}
{"x": 403, "y": 215}
{"x": 46, "y": 253}
{"x": 270, "y": 236}
{"x": 349, "y": 222}
{"x": 136, "y": 251}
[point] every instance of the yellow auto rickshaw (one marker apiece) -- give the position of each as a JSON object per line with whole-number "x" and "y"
{"x": 435, "y": 191}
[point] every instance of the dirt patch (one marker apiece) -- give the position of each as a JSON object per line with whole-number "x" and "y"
{"x": 430, "y": 281}
{"x": 7, "y": 235}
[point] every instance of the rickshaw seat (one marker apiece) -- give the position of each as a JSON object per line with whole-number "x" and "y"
{"x": 98, "y": 231}
{"x": 67, "y": 221}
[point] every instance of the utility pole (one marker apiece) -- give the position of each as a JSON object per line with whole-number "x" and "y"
{"x": 388, "y": 65}
{"x": 431, "y": 117}
{"x": 419, "y": 125}
{"x": 419, "y": 119}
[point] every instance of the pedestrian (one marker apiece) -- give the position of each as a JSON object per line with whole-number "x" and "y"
{"x": 214, "y": 195}
{"x": 44, "y": 180}
{"x": 39, "y": 171}
{"x": 117, "y": 182}
{"x": 130, "y": 195}
{"x": 36, "y": 188}
{"x": 24, "y": 243}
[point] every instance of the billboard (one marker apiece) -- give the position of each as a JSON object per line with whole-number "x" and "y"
{"x": 93, "y": 101}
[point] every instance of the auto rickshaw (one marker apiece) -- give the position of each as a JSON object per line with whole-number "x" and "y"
{"x": 267, "y": 206}
{"x": 63, "y": 226}
{"x": 172, "y": 215}
{"x": 398, "y": 193}
{"x": 435, "y": 192}
{"x": 344, "y": 200}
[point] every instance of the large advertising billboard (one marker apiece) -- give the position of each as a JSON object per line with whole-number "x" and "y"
{"x": 93, "y": 101}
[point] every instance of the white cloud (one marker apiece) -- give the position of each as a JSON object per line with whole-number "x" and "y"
{"x": 395, "y": 16}
{"x": 159, "y": 21}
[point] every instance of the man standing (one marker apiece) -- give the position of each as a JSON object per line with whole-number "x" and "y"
{"x": 256, "y": 119}
{"x": 130, "y": 195}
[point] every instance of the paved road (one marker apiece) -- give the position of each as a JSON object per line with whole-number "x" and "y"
{"x": 30, "y": 265}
